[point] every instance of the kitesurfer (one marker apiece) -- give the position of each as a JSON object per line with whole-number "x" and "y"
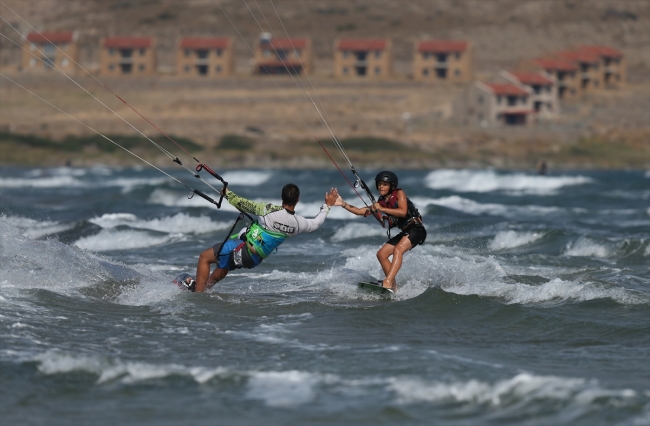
{"x": 253, "y": 244}
{"x": 401, "y": 213}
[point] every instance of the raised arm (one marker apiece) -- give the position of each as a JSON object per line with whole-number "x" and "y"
{"x": 352, "y": 209}
{"x": 309, "y": 225}
{"x": 248, "y": 206}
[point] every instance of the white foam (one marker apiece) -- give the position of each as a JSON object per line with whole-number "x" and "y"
{"x": 35, "y": 229}
{"x": 511, "y": 239}
{"x": 472, "y": 207}
{"x": 180, "y": 222}
{"x": 586, "y": 247}
{"x": 353, "y": 231}
{"x": 647, "y": 174}
{"x": 110, "y": 239}
{"x": 246, "y": 177}
{"x": 283, "y": 388}
{"x": 42, "y": 182}
{"x": 58, "y": 266}
{"x": 522, "y": 389}
{"x": 489, "y": 180}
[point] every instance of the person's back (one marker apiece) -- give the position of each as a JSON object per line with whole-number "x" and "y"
{"x": 274, "y": 224}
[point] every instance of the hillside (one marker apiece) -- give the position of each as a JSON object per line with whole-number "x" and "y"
{"x": 503, "y": 31}
{"x": 609, "y": 129}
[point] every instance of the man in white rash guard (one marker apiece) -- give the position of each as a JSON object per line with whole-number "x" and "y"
{"x": 253, "y": 244}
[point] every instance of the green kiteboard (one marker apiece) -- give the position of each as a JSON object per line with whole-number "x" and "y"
{"x": 375, "y": 287}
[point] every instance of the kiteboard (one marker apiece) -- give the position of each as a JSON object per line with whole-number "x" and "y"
{"x": 375, "y": 287}
{"x": 185, "y": 281}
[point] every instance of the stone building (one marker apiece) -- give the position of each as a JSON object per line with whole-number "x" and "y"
{"x": 443, "y": 60}
{"x": 565, "y": 73}
{"x": 542, "y": 88}
{"x": 201, "y": 56}
{"x": 364, "y": 58}
{"x": 44, "y": 51}
{"x": 590, "y": 72}
{"x": 282, "y": 55}
{"x": 127, "y": 56}
{"x": 494, "y": 105}
{"x": 612, "y": 65}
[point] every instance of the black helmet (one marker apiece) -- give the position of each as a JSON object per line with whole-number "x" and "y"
{"x": 386, "y": 176}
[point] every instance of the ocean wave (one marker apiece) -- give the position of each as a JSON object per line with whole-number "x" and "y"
{"x": 180, "y": 222}
{"x": 72, "y": 181}
{"x": 57, "y": 266}
{"x": 472, "y": 207}
{"x": 353, "y": 231}
{"x": 246, "y": 177}
{"x": 521, "y": 392}
{"x": 489, "y": 180}
{"x": 511, "y": 239}
{"x": 35, "y": 229}
{"x": 586, "y": 247}
{"x": 111, "y": 239}
{"x": 570, "y": 397}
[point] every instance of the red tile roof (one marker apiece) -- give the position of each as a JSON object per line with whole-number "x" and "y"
{"x": 362, "y": 44}
{"x": 442, "y": 46}
{"x": 63, "y": 37}
{"x": 556, "y": 64}
{"x": 604, "y": 51}
{"x": 532, "y": 78}
{"x": 132, "y": 42}
{"x": 204, "y": 43}
{"x": 506, "y": 89}
{"x": 288, "y": 43}
{"x": 580, "y": 56}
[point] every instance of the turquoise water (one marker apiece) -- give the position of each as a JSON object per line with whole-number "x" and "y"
{"x": 528, "y": 304}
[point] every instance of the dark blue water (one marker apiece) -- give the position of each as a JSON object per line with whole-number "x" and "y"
{"x": 529, "y": 303}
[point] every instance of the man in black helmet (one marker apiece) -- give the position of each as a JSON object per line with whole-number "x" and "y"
{"x": 400, "y": 212}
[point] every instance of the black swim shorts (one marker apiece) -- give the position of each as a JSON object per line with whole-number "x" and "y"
{"x": 416, "y": 234}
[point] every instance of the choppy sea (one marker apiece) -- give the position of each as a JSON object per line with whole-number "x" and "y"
{"x": 529, "y": 304}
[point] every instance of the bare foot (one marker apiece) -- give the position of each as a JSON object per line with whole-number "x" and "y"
{"x": 387, "y": 284}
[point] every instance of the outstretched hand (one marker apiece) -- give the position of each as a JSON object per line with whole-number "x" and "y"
{"x": 339, "y": 201}
{"x": 330, "y": 197}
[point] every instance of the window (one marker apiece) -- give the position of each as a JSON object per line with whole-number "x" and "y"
{"x": 202, "y": 53}
{"x": 141, "y": 67}
{"x": 457, "y": 55}
{"x": 378, "y": 54}
{"x": 217, "y": 69}
{"x": 499, "y": 99}
{"x": 345, "y": 70}
{"x": 442, "y": 57}
{"x": 219, "y": 53}
{"x": 111, "y": 51}
{"x": 48, "y": 48}
{"x": 345, "y": 53}
{"x": 63, "y": 46}
{"x": 441, "y": 73}
{"x": 512, "y": 100}
{"x": 187, "y": 69}
{"x": 111, "y": 67}
{"x": 457, "y": 73}
{"x": 377, "y": 70}
{"x": 187, "y": 53}
{"x": 425, "y": 55}
{"x": 142, "y": 51}
{"x": 537, "y": 89}
{"x": 425, "y": 71}
{"x": 480, "y": 99}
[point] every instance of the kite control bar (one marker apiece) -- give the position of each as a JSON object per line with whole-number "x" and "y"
{"x": 200, "y": 167}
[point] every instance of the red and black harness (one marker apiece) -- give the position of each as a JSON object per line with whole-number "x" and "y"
{"x": 413, "y": 216}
